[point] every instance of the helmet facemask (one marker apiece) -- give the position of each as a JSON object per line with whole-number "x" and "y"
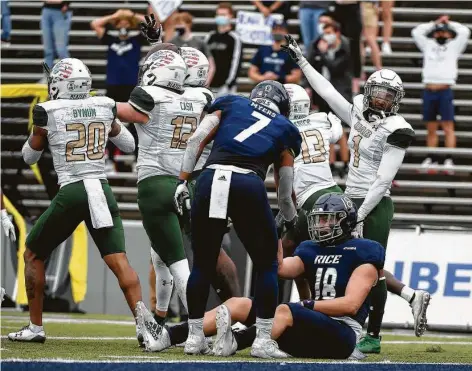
{"x": 324, "y": 227}
{"x": 382, "y": 99}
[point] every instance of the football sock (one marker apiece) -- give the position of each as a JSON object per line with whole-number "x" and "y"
{"x": 378, "y": 297}
{"x": 264, "y": 327}
{"x": 160, "y": 320}
{"x": 178, "y": 333}
{"x": 181, "y": 272}
{"x": 164, "y": 282}
{"x": 35, "y": 328}
{"x": 245, "y": 338}
{"x": 196, "y": 326}
{"x": 408, "y": 294}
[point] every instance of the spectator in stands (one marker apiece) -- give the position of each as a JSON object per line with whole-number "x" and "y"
{"x": 225, "y": 46}
{"x": 387, "y": 29}
{"x": 273, "y": 7}
{"x": 330, "y": 56}
{"x": 272, "y": 63}
{"x": 442, "y": 42}
{"x": 183, "y": 30}
{"x": 370, "y": 23}
{"x": 6, "y": 23}
{"x": 123, "y": 56}
{"x": 348, "y": 14}
{"x": 309, "y": 14}
{"x": 56, "y": 18}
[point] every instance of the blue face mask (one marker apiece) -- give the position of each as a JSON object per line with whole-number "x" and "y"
{"x": 222, "y": 20}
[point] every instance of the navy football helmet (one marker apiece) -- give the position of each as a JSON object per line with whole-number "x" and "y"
{"x": 272, "y": 94}
{"x": 332, "y": 219}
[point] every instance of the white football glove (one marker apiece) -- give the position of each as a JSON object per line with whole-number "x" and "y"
{"x": 293, "y": 49}
{"x": 8, "y": 226}
{"x": 358, "y": 231}
{"x": 181, "y": 198}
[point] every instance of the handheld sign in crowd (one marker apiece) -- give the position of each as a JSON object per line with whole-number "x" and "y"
{"x": 164, "y": 8}
{"x": 254, "y": 28}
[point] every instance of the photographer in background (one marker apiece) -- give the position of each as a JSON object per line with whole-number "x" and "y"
{"x": 442, "y": 42}
{"x": 225, "y": 46}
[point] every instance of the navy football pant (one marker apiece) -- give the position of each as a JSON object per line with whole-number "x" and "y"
{"x": 253, "y": 221}
{"x": 313, "y": 335}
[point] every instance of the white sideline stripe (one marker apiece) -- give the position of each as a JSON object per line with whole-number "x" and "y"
{"x": 112, "y": 338}
{"x": 123, "y": 358}
{"x": 72, "y": 321}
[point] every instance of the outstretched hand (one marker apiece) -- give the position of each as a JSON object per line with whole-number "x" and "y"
{"x": 293, "y": 49}
{"x": 149, "y": 30}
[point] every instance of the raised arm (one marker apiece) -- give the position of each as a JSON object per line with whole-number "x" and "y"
{"x": 462, "y": 36}
{"x": 341, "y": 107}
{"x": 99, "y": 24}
{"x": 34, "y": 146}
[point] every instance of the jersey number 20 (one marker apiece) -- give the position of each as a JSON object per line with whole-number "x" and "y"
{"x": 93, "y": 138}
{"x": 325, "y": 282}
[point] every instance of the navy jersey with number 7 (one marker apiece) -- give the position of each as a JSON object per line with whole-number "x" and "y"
{"x": 251, "y": 136}
{"x": 328, "y": 269}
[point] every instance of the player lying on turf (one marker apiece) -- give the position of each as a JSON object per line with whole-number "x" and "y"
{"x": 378, "y": 140}
{"x": 341, "y": 271}
{"x": 77, "y": 127}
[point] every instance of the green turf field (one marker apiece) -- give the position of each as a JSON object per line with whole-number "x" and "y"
{"x": 99, "y": 337}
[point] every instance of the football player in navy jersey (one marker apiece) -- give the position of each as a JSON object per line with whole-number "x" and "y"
{"x": 248, "y": 136}
{"x": 341, "y": 271}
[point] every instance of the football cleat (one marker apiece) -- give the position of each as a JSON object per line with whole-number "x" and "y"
{"x": 149, "y": 329}
{"x": 139, "y": 335}
{"x": 225, "y": 344}
{"x": 196, "y": 343}
{"x": 419, "y": 306}
{"x": 369, "y": 344}
{"x": 27, "y": 335}
{"x": 267, "y": 349}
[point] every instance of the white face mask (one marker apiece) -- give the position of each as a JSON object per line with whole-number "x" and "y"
{"x": 320, "y": 28}
{"x": 330, "y": 38}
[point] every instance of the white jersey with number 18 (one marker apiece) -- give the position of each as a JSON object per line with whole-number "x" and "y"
{"x": 312, "y": 171}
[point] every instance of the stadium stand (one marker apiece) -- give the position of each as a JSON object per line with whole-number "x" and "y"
{"x": 433, "y": 198}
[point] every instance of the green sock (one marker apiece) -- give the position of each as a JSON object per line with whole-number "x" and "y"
{"x": 378, "y": 297}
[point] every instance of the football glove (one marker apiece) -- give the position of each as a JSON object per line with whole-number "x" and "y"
{"x": 358, "y": 231}
{"x": 149, "y": 30}
{"x": 293, "y": 50}
{"x": 279, "y": 224}
{"x": 182, "y": 198}
{"x": 8, "y": 226}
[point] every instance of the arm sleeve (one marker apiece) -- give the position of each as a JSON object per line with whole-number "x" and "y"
{"x": 420, "y": 34}
{"x": 389, "y": 165}
{"x": 141, "y": 100}
{"x": 234, "y": 66}
{"x": 193, "y": 144}
{"x": 30, "y": 155}
{"x": 341, "y": 107}
{"x": 462, "y": 36}
{"x": 284, "y": 193}
{"x": 40, "y": 116}
{"x": 336, "y": 128}
{"x": 124, "y": 140}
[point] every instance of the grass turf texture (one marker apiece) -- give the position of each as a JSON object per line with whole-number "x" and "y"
{"x": 426, "y": 349}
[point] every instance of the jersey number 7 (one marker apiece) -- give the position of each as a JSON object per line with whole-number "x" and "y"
{"x": 260, "y": 124}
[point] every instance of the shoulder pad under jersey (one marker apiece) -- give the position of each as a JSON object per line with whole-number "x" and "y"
{"x": 40, "y": 116}
{"x": 142, "y": 100}
{"x": 369, "y": 252}
{"x": 225, "y": 102}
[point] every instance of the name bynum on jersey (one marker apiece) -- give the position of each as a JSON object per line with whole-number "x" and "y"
{"x": 367, "y": 141}
{"x": 174, "y": 118}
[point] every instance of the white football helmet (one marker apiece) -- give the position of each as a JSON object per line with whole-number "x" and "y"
{"x": 299, "y": 101}
{"x": 383, "y": 92}
{"x": 70, "y": 78}
{"x": 166, "y": 69}
{"x": 197, "y": 66}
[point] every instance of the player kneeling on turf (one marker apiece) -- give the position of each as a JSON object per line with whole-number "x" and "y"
{"x": 341, "y": 271}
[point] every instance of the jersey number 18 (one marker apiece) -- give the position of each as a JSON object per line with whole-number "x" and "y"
{"x": 325, "y": 282}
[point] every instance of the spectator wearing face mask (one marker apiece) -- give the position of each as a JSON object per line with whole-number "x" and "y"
{"x": 442, "y": 42}
{"x": 330, "y": 56}
{"x": 123, "y": 55}
{"x": 225, "y": 46}
{"x": 183, "y": 37}
{"x": 271, "y": 63}
{"x": 309, "y": 14}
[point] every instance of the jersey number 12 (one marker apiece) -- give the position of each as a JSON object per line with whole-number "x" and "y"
{"x": 260, "y": 124}
{"x": 325, "y": 282}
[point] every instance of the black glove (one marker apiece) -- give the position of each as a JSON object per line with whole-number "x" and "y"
{"x": 149, "y": 30}
{"x": 292, "y": 49}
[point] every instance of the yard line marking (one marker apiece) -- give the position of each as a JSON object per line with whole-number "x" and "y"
{"x": 98, "y": 338}
{"x": 131, "y": 357}
{"x": 72, "y": 321}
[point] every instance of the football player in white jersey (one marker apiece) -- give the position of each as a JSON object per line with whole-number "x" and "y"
{"x": 378, "y": 141}
{"x": 77, "y": 127}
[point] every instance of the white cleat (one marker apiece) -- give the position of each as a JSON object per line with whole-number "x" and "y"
{"x": 419, "y": 306}
{"x": 267, "y": 348}
{"x": 225, "y": 344}
{"x": 26, "y": 335}
{"x": 155, "y": 337}
{"x": 196, "y": 343}
{"x": 139, "y": 335}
